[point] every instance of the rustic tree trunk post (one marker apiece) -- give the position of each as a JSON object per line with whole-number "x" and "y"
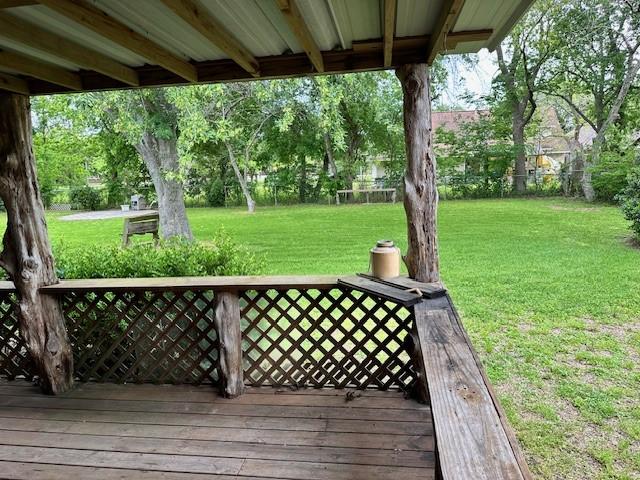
{"x": 227, "y": 321}
{"x": 27, "y": 253}
{"x": 420, "y": 191}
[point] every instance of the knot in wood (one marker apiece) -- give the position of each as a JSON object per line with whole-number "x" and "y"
{"x": 30, "y": 263}
{"x": 53, "y": 345}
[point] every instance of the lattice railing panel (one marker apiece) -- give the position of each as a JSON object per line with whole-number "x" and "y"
{"x": 14, "y": 358}
{"x": 324, "y": 338}
{"x": 154, "y": 336}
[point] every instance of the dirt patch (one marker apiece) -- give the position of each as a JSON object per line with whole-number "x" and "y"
{"x": 574, "y": 209}
{"x": 632, "y": 242}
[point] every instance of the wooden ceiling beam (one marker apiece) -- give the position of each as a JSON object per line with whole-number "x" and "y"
{"x": 446, "y": 22}
{"x": 389, "y": 29}
{"x": 85, "y": 14}
{"x": 13, "y": 84}
{"x": 292, "y": 15}
{"x": 31, "y": 35}
{"x": 209, "y": 27}
{"x": 16, "y": 3}
{"x": 33, "y": 68}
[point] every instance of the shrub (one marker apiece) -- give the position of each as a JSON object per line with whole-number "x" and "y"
{"x": 173, "y": 258}
{"x": 609, "y": 176}
{"x": 630, "y": 201}
{"x": 85, "y": 198}
{"x": 215, "y": 193}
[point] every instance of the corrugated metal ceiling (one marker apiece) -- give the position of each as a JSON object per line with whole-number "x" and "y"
{"x": 260, "y": 26}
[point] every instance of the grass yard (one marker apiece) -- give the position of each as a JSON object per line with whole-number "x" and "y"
{"x": 549, "y": 291}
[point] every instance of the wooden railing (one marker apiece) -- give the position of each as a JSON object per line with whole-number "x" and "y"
{"x": 296, "y": 331}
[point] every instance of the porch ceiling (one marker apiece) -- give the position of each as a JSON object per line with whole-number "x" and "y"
{"x": 50, "y": 46}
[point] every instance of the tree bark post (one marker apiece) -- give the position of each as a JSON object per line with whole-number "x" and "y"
{"x": 421, "y": 193}
{"x": 27, "y": 255}
{"x": 227, "y": 322}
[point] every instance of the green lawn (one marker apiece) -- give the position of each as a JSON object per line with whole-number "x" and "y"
{"x": 548, "y": 289}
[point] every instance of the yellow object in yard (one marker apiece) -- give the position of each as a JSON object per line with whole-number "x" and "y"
{"x": 543, "y": 161}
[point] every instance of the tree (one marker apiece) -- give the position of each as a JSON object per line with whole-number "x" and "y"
{"x": 64, "y": 152}
{"x": 522, "y": 59}
{"x": 233, "y": 115}
{"x": 599, "y": 59}
{"x": 148, "y": 120}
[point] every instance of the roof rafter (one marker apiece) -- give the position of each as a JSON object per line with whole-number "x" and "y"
{"x": 389, "y": 29}
{"x": 16, "y": 3}
{"x": 31, "y": 35}
{"x": 292, "y": 15}
{"x": 209, "y": 27}
{"x": 34, "y": 68}
{"x": 446, "y": 21}
{"x": 13, "y": 84}
{"x": 84, "y": 13}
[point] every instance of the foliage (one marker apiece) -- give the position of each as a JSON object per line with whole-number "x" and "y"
{"x": 215, "y": 193}
{"x": 173, "y": 258}
{"x": 484, "y": 153}
{"x": 630, "y": 201}
{"x": 85, "y": 198}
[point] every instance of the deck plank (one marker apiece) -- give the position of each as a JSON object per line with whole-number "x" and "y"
{"x": 230, "y": 409}
{"x": 42, "y": 471}
{"x": 220, "y": 421}
{"x": 167, "y": 393}
{"x": 466, "y": 422}
{"x": 175, "y": 432}
{"x": 219, "y": 448}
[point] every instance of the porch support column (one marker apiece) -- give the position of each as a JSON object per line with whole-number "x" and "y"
{"x": 227, "y": 322}
{"x": 420, "y": 192}
{"x": 26, "y": 254}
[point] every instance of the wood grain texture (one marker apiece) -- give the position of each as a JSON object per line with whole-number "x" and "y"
{"x": 185, "y": 440}
{"x": 292, "y": 15}
{"x": 195, "y": 283}
{"x": 445, "y": 23}
{"x": 32, "y": 36}
{"x": 89, "y": 16}
{"x": 389, "y": 29}
{"x": 214, "y": 31}
{"x": 13, "y": 84}
{"x": 515, "y": 446}
{"x": 27, "y": 257}
{"x": 471, "y": 439}
{"x": 429, "y": 290}
{"x": 227, "y": 321}
{"x": 420, "y": 190}
{"x": 382, "y": 290}
{"x": 43, "y": 71}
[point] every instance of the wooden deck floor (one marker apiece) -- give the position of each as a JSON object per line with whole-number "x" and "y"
{"x": 111, "y": 431}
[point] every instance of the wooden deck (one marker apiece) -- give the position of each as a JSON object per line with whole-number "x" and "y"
{"x": 110, "y": 431}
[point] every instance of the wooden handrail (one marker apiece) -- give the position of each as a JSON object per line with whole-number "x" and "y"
{"x": 191, "y": 283}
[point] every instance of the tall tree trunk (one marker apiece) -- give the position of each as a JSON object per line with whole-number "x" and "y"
{"x": 333, "y": 169}
{"x": 421, "y": 194}
{"x": 161, "y": 158}
{"x": 520, "y": 174}
{"x": 27, "y": 253}
{"x": 633, "y": 67}
{"x": 251, "y": 205}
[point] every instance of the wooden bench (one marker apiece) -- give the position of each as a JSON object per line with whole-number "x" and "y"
{"x": 141, "y": 225}
{"x": 367, "y": 192}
